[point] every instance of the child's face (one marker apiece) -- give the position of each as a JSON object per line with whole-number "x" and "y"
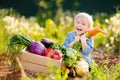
{"x": 81, "y": 25}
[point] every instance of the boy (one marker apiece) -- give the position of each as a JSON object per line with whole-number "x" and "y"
{"x": 82, "y": 23}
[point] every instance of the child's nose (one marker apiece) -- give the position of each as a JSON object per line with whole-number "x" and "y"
{"x": 79, "y": 25}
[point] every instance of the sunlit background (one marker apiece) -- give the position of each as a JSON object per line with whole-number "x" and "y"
{"x": 54, "y": 19}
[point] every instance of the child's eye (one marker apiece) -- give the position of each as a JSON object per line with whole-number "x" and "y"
{"x": 83, "y": 23}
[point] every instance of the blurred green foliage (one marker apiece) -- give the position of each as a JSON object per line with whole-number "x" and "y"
{"x": 109, "y": 23}
{"x": 56, "y": 30}
{"x": 107, "y": 73}
{"x": 113, "y": 37}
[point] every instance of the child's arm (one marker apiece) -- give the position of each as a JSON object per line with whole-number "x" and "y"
{"x": 87, "y": 46}
{"x": 83, "y": 41}
{"x": 87, "y": 50}
{"x": 77, "y": 38}
{"x": 67, "y": 40}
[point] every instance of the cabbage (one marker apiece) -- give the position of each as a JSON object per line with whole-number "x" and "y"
{"x": 82, "y": 68}
{"x": 37, "y": 48}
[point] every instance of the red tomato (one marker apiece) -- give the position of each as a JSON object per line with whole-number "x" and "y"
{"x": 58, "y": 52}
{"x": 55, "y": 56}
{"x": 48, "y": 52}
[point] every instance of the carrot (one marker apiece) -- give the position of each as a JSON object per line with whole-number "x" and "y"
{"x": 94, "y": 31}
{"x": 89, "y": 33}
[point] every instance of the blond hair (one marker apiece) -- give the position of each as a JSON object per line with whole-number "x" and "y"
{"x": 87, "y": 16}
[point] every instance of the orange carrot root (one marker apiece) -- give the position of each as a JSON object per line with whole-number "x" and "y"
{"x": 93, "y": 32}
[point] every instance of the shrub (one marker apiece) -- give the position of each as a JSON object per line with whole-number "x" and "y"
{"x": 113, "y": 38}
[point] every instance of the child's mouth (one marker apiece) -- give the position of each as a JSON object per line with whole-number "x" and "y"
{"x": 79, "y": 29}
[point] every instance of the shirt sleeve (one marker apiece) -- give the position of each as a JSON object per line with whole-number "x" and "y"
{"x": 88, "y": 48}
{"x": 67, "y": 41}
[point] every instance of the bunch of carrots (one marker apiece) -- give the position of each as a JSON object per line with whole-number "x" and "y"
{"x": 89, "y": 33}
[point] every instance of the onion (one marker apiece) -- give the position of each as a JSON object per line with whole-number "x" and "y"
{"x": 37, "y": 48}
{"x": 82, "y": 68}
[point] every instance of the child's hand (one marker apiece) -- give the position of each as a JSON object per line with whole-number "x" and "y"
{"x": 83, "y": 38}
{"x": 83, "y": 41}
{"x": 77, "y": 38}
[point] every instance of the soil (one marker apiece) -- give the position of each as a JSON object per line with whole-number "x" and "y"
{"x": 7, "y": 72}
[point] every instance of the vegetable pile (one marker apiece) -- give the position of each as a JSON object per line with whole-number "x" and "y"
{"x": 18, "y": 42}
{"x": 70, "y": 57}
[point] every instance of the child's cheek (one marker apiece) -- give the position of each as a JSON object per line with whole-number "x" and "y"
{"x": 75, "y": 27}
{"x": 85, "y": 28}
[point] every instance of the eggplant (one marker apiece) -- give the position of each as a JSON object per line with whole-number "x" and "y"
{"x": 47, "y": 42}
